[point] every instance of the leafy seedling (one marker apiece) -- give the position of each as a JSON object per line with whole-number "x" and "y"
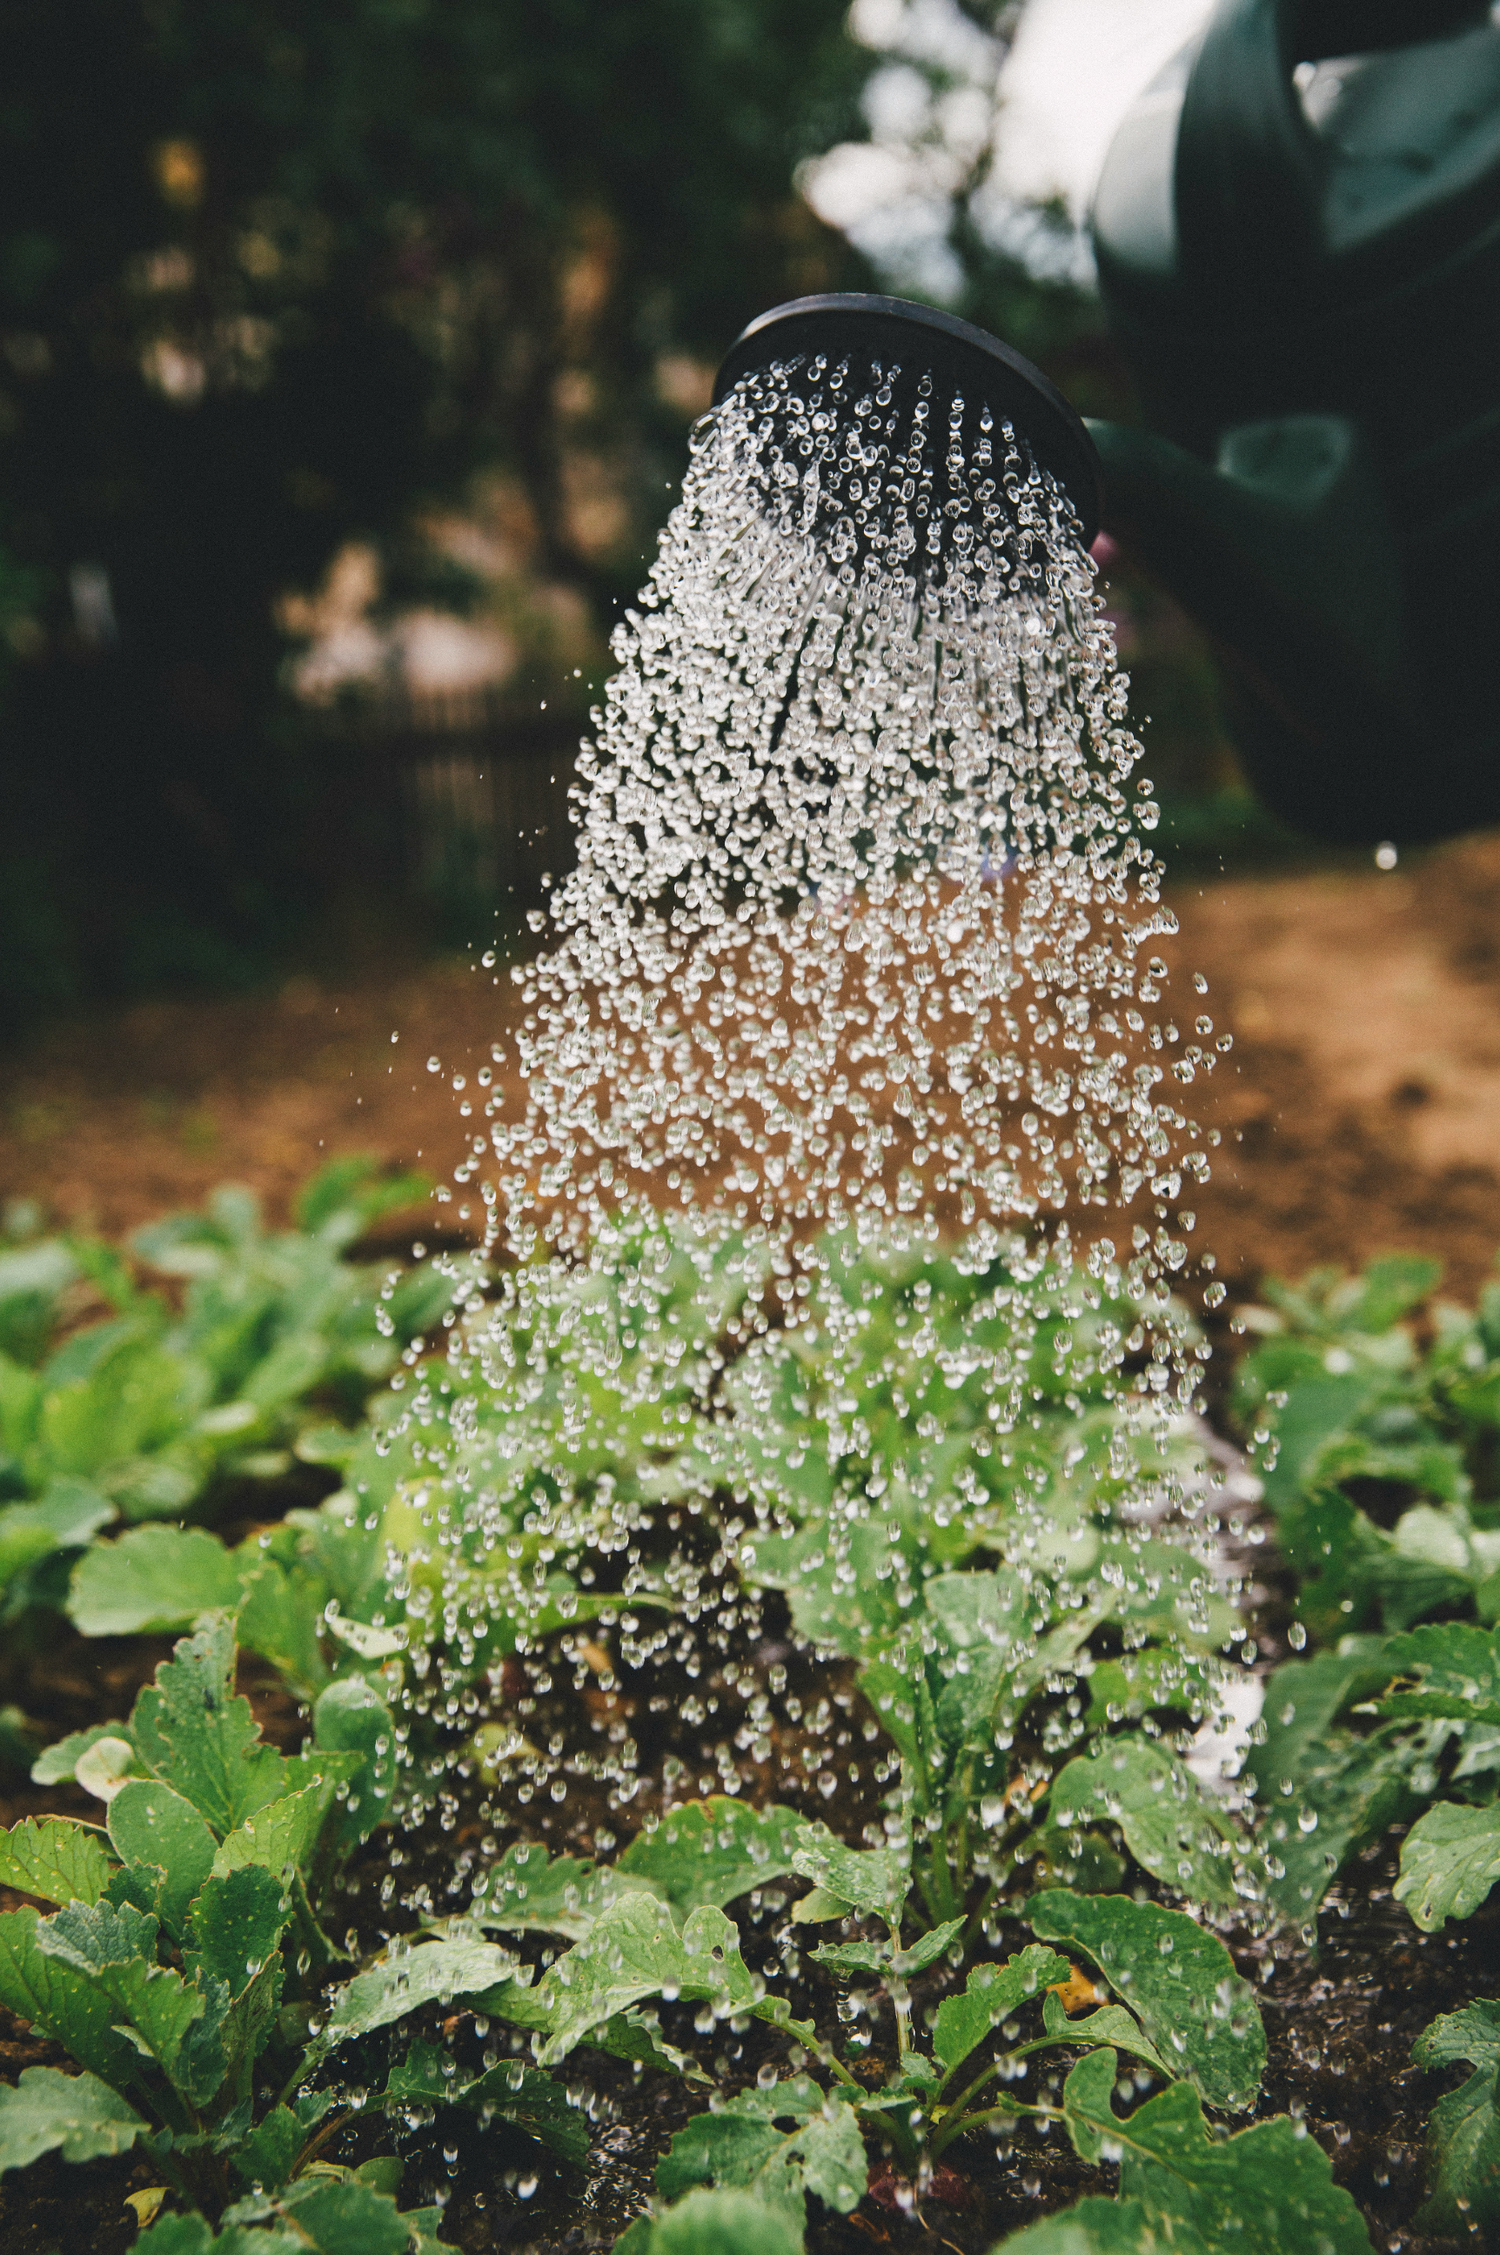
{"x": 1183, "y": 2189}
{"x": 1463, "y": 2134}
{"x": 170, "y": 1937}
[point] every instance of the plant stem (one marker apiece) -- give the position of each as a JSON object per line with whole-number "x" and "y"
{"x": 959, "y": 1865}
{"x": 1006, "y": 2112}
{"x": 809, "y": 2038}
{"x": 929, "y": 1897}
{"x": 978, "y": 1914}
{"x": 900, "y": 1998}
{"x": 900, "y": 2133}
{"x": 320, "y": 2137}
{"x": 298, "y": 2072}
{"x": 984, "y": 2076}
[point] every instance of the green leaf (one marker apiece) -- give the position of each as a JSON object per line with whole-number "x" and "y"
{"x": 32, "y": 1279}
{"x": 248, "y": 2026}
{"x": 986, "y": 1624}
{"x": 153, "y": 1580}
{"x": 1111, "y": 2024}
{"x": 1389, "y": 1288}
{"x": 1167, "y": 1824}
{"x": 1463, "y": 2132}
{"x": 107, "y": 1765}
{"x": 527, "y": 1892}
{"x": 364, "y": 1642}
{"x": 55, "y": 1764}
{"x": 1339, "y": 1556}
{"x": 77, "y": 2114}
{"x": 115, "y": 1400}
{"x": 1272, "y": 2172}
{"x": 1450, "y": 1860}
{"x": 1177, "y": 1978}
{"x": 352, "y": 1191}
{"x": 351, "y": 1718}
{"x": 114, "y": 1950}
{"x": 894, "y": 1697}
{"x": 782, "y": 2143}
{"x": 1348, "y": 1792}
{"x": 281, "y": 1617}
{"x": 67, "y": 1514}
{"x": 873, "y": 1880}
{"x": 712, "y": 1851}
{"x": 857, "y": 1957}
{"x": 817, "y": 1907}
{"x": 60, "y": 2003}
{"x": 265, "y": 2158}
{"x": 1304, "y": 1699}
{"x": 1460, "y": 1670}
{"x": 237, "y": 1923}
{"x": 193, "y": 1731}
{"x": 154, "y": 1827}
{"x": 881, "y": 1958}
{"x": 992, "y": 1994}
{"x": 1157, "y": 1676}
{"x": 928, "y": 1949}
{"x": 634, "y": 1950}
{"x": 193, "y": 2235}
{"x": 722, "y": 2223}
{"x": 1471, "y": 2035}
{"x": 636, "y": 2035}
{"x": 281, "y": 1835}
{"x": 204, "y": 2058}
{"x": 841, "y": 1599}
{"x": 520, "y": 2095}
{"x": 1085, "y": 1861}
{"x": 431, "y": 1973}
{"x": 335, "y": 2216}
{"x": 57, "y": 1859}
{"x": 1103, "y": 2227}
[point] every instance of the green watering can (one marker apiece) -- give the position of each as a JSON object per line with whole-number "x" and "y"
{"x": 1298, "y": 239}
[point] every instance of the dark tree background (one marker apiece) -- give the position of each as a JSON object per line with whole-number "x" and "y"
{"x": 275, "y": 274}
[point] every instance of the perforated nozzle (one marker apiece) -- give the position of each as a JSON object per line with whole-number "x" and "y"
{"x": 909, "y": 341}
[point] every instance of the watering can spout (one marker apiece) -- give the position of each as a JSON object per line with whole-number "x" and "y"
{"x": 1282, "y": 552}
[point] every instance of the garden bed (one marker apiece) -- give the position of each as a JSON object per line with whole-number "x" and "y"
{"x": 1373, "y": 1416}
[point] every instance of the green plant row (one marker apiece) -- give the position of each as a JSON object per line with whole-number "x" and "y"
{"x": 1038, "y": 1648}
{"x": 224, "y": 1350}
{"x": 1375, "y": 1416}
{"x": 182, "y": 1964}
{"x": 979, "y": 1582}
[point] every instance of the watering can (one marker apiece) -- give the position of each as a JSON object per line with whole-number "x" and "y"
{"x": 1298, "y": 238}
{"x": 1297, "y": 231}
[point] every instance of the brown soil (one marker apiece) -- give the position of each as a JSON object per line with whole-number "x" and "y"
{"x": 1360, "y": 1109}
{"x": 1361, "y": 1104}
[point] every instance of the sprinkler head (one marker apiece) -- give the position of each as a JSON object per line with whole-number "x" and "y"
{"x": 918, "y": 340}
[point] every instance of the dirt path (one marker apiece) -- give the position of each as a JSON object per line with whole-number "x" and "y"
{"x": 1361, "y": 1105}
{"x": 1360, "y": 1108}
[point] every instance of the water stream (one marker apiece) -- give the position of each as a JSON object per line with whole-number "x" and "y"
{"x": 838, "y": 1169}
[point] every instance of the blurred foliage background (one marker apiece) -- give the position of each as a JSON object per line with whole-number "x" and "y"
{"x": 322, "y": 326}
